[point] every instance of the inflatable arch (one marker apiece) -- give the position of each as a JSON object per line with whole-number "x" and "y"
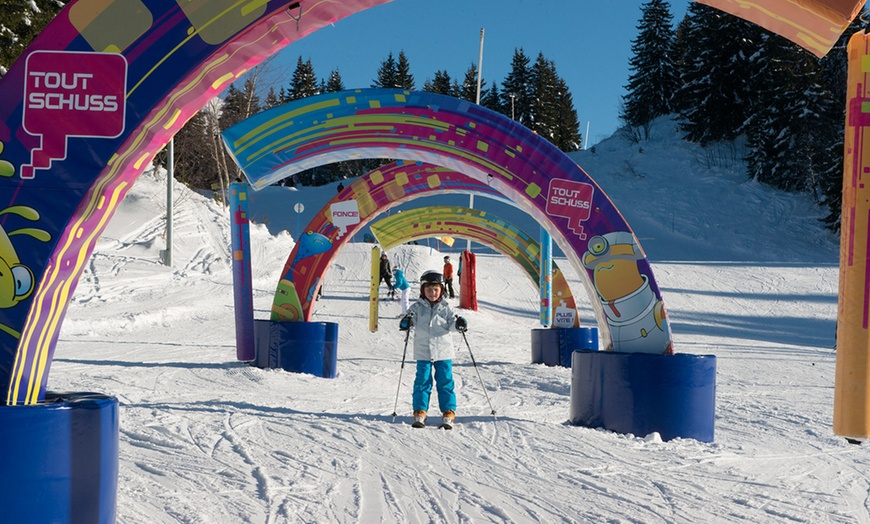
{"x": 347, "y": 212}
{"x": 486, "y": 146}
{"x": 487, "y": 229}
{"x": 139, "y": 70}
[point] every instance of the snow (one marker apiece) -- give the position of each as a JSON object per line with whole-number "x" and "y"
{"x": 747, "y": 272}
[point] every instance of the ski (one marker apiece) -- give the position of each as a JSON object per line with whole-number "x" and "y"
{"x": 445, "y": 426}
{"x": 418, "y": 424}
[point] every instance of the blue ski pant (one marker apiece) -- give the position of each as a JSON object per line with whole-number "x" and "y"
{"x": 423, "y": 385}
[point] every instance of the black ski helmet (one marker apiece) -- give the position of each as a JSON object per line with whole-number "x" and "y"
{"x": 431, "y": 277}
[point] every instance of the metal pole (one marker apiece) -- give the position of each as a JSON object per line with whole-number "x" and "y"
{"x": 477, "y": 101}
{"x": 482, "y": 385}
{"x": 170, "y": 176}
{"x": 587, "y": 135}
{"x": 401, "y": 370}
{"x": 479, "y": 67}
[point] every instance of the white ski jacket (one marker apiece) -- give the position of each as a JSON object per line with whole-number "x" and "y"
{"x": 432, "y": 326}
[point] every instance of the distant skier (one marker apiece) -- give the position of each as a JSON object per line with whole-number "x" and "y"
{"x": 387, "y": 275}
{"x": 432, "y": 319}
{"x": 404, "y": 289}
{"x": 448, "y": 277}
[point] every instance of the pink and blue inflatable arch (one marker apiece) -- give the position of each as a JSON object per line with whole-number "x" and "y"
{"x": 485, "y": 146}
{"x": 346, "y": 213}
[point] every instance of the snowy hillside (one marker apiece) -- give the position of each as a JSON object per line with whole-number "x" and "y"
{"x": 746, "y": 271}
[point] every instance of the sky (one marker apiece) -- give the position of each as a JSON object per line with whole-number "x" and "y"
{"x": 747, "y": 274}
{"x": 590, "y": 42}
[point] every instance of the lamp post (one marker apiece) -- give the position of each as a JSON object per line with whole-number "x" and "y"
{"x": 512, "y": 105}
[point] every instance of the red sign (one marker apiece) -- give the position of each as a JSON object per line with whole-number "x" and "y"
{"x": 571, "y": 200}
{"x": 70, "y": 94}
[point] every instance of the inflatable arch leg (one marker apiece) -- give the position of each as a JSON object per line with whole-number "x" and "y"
{"x": 852, "y": 379}
{"x": 243, "y": 289}
{"x": 468, "y": 281}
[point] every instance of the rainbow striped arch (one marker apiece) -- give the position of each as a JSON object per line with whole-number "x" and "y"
{"x": 485, "y": 146}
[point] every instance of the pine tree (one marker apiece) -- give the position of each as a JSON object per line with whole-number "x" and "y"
{"x": 543, "y": 110}
{"x": 491, "y": 99}
{"x": 232, "y": 111}
{"x": 334, "y": 84}
{"x": 468, "y": 88}
{"x": 552, "y": 112}
{"x": 404, "y": 78}
{"x": 304, "y": 81}
{"x": 272, "y": 99}
{"x": 679, "y": 52}
{"x": 715, "y": 96}
{"x": 516, "y": 89}
{"x": 442, "y": 84}
{"x": 655, "y": 78}
{"x": 194, "y": 167}
{"x": 387, "y": 73}
{"x": 20, "y": 22}
{"x": 567, "y": 129}
{"x": 786, "y": 111}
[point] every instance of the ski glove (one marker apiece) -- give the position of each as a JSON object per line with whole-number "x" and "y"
{"x": 461, "y": 324}
{"x": 406, "y": 323}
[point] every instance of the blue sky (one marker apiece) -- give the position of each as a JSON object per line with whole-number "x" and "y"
{"x": 590, "y": 42}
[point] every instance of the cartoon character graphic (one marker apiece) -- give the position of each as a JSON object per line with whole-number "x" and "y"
{"x": 16, "y": 279}
{"x": 311, "y": 244}
{"x": 285, "y": 305}
{"x": 637, "y": 319}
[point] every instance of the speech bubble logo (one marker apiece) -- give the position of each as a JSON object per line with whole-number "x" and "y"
{"x": 344, "y": 214}
{"x": 571, "y": 200}
{"x": 564, "y": 316}
{"x": 71, "y": 94}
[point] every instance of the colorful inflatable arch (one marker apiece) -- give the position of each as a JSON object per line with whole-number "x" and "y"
{"x": 347, "y": 212}
{"x": 488, "y": 147}
{"x": 484, "y": 228}
{"x": 82, "y": 113}
{"x": 851, "y": 390}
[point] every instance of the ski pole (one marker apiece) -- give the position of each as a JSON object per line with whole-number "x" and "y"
{"x": 492, "y": 410}
{"x": 401, "y": 370}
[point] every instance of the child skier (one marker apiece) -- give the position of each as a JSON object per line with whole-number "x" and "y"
{"x": 433, "y": 318}
{"x": 402, "y": 285}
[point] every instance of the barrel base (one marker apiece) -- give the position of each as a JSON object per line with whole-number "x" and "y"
{"x": 62, "y": 459}
{"x": 640, "y": 393}
{"x": 300, "y": 347}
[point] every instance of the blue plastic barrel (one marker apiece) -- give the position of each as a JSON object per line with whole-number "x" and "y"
{"x": 576, "y": 339}
{"x": 61, "y": 459}
{"x": 640, "y": 393}
{"x": 300, "y": 347}
{"x": 545, "y": 346}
